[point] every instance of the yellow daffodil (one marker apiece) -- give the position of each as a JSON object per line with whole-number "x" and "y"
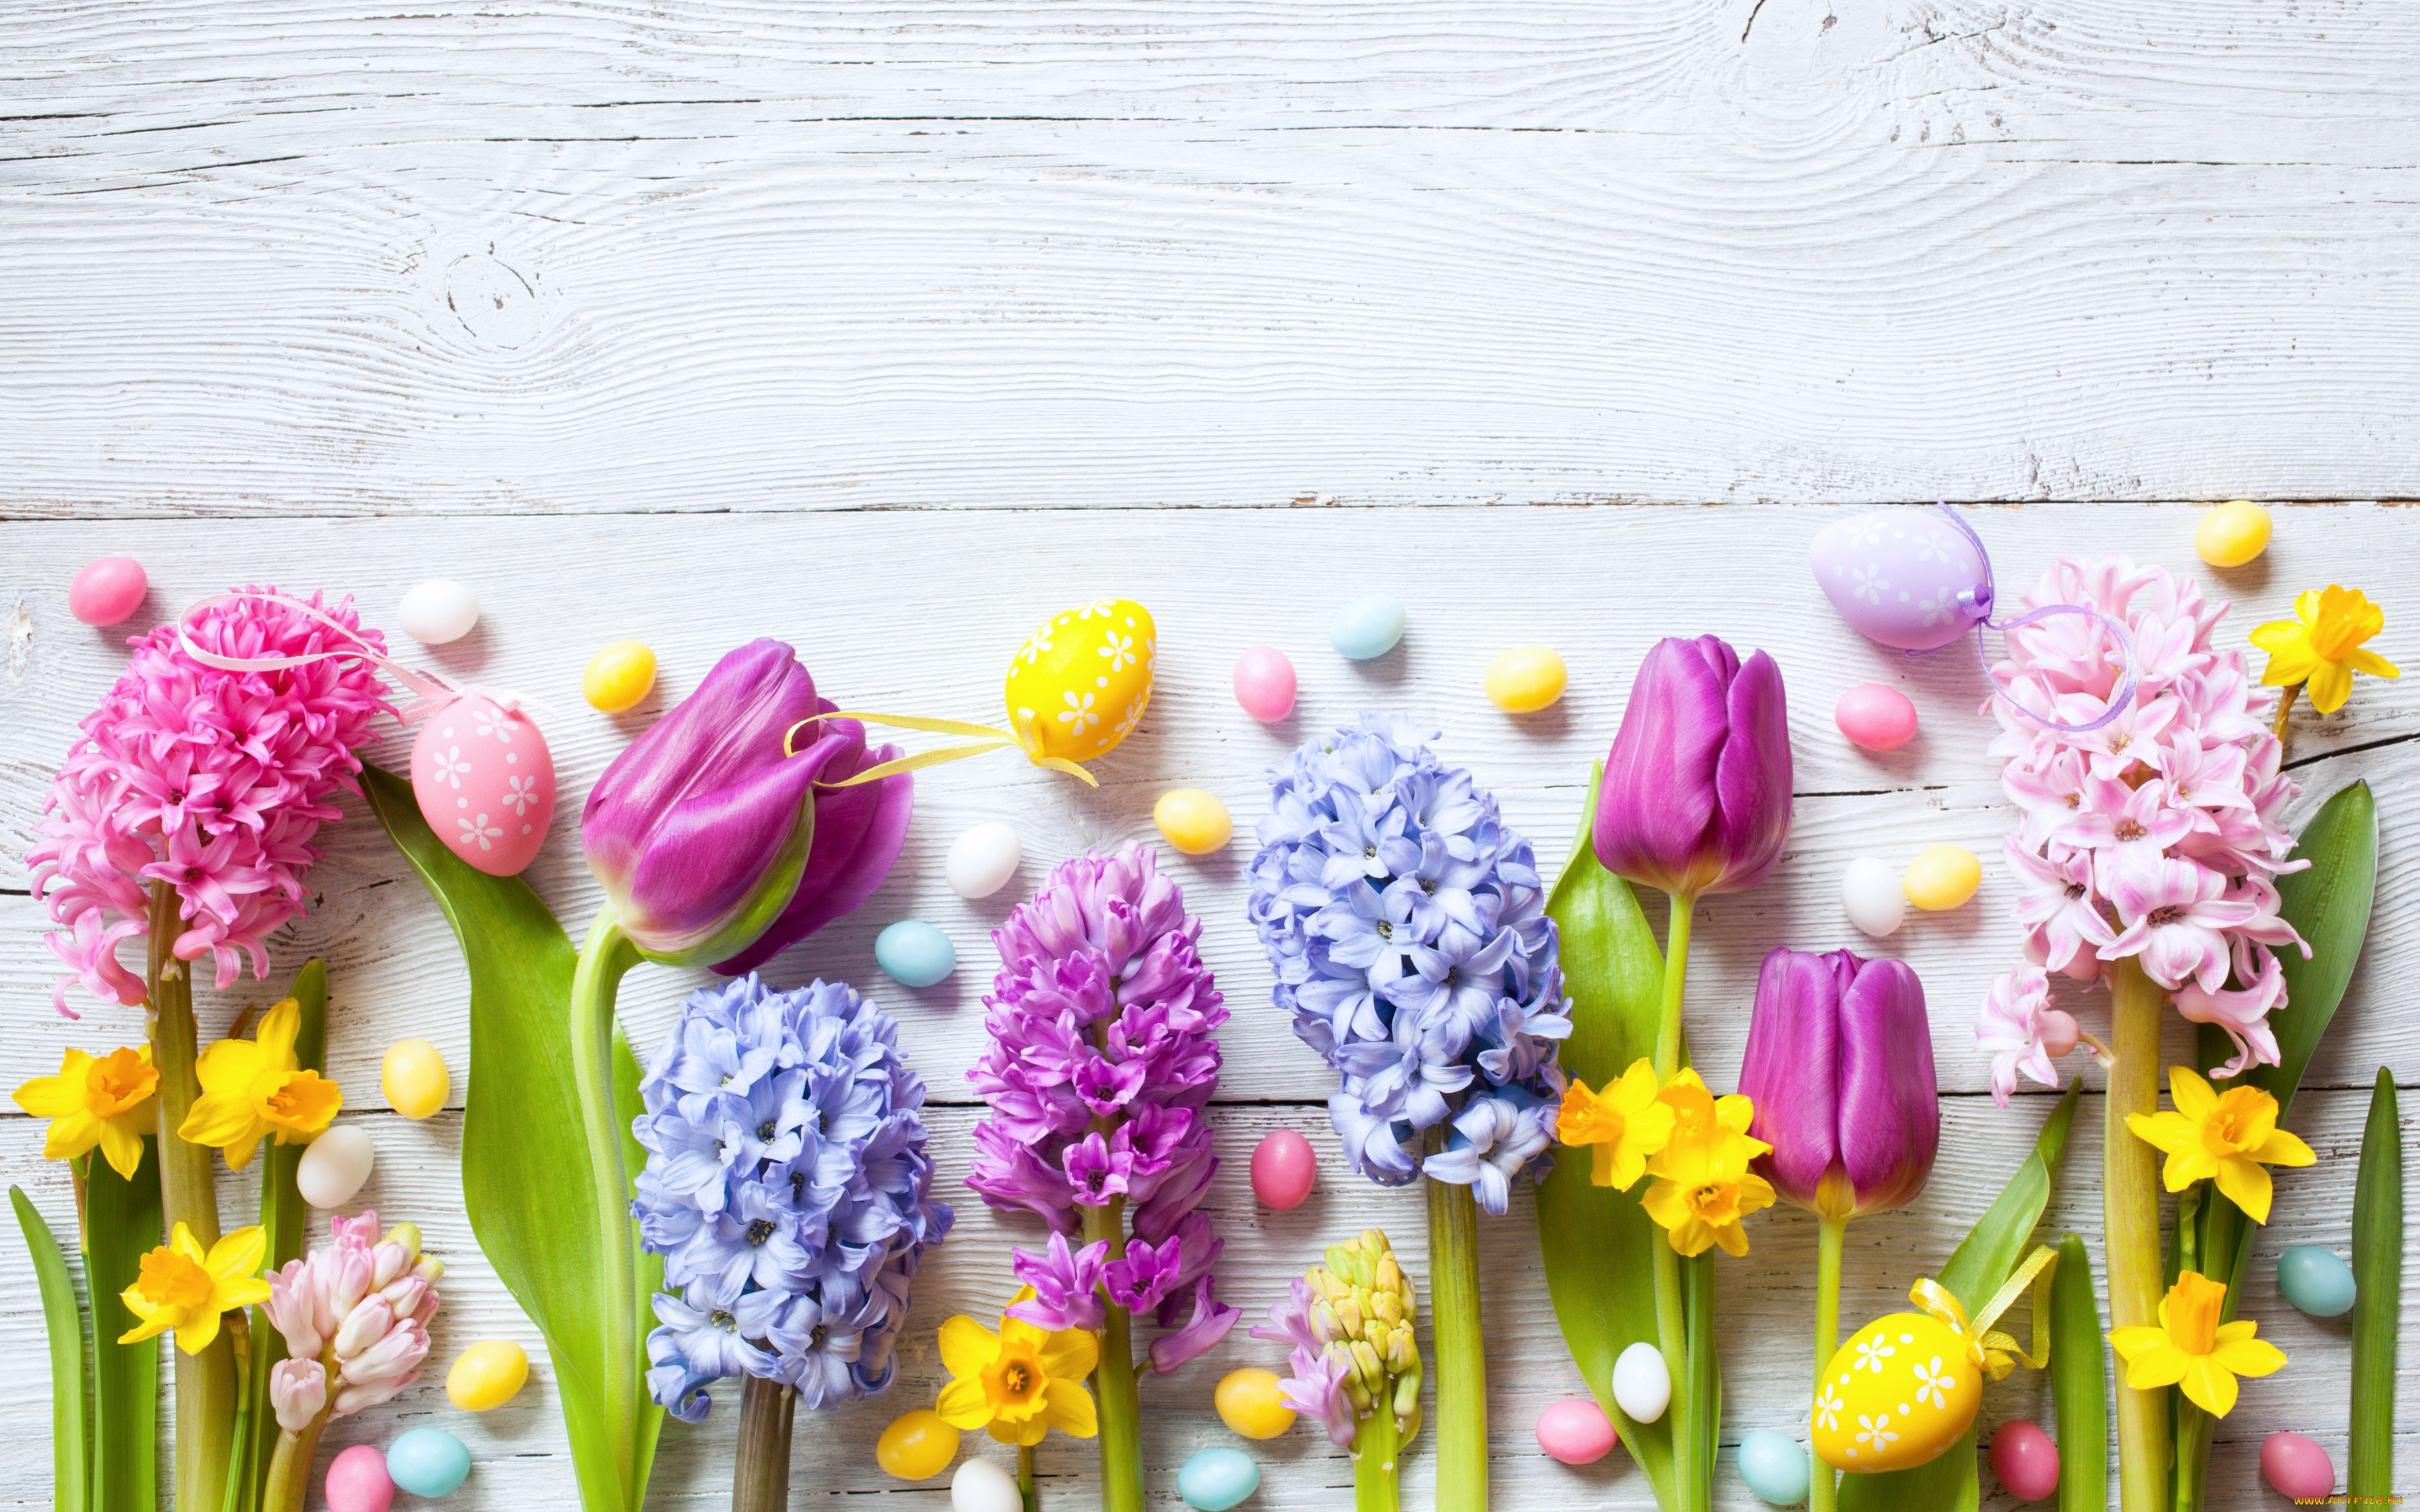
{"x": 2320, "y": 647}
{"x": 2231, "y": 1138}
{"x": 103, "y": 1101}
{"x": 1623, "y": 1124}
{"x": 1703, "y": 1186}
{"x": 2192, "y": 1348}
{"x": 1019, "y": 1382}
{"x": 180, "y": 1287}
{"x": 255, "y": 1087}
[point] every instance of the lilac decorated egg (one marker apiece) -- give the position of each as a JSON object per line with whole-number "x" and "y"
{"x": 484, "y": 781}
{"x": 1907, "y": 577}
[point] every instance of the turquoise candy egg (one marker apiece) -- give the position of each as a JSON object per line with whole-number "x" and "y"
{"x": 1216, "y": 1479}
{"x": 1368, "y": 628}
{"x": 915, "y": 953}
{"x": 2316, "y": 1281}
{"x": 428, "y": 1461}
{"x": 1775, "y": 1467}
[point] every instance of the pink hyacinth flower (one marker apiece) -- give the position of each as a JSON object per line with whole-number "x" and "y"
{"x": 2011, "y": 1030}
{"x": 298, "y": 1391}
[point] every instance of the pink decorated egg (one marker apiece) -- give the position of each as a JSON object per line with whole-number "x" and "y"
{"x": 108, "y": 590}
{"x": 1909, "y": 579}
{"x": 485, "y": 781}
{"x": 1284, "y": 1169}
{"x": 358, "y": 1482}
{"x": 1577, "y": 1432}
{"x": 2297, "y": 1467}
{"x": 1264, "y": 683}
{"x": 2026, "y": 1461}
{"x": 1875, "y": 717}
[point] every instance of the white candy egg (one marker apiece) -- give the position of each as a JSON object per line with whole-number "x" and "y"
{"x": 981, "y": 860}
{"x": 1870, "y": 892}
{"x": 437, "y": 611}
{"x": 980, "y": 1485}
{"x": 335, "y": 1166}
{"x": 1642, "y": 1388}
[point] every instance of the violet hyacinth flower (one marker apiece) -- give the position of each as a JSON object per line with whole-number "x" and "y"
{"x": 1695, "y": 798}
{"x": 716, "y": 847}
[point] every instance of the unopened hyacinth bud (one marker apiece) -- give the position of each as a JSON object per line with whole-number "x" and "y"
{"x": 1351, "y": 1324}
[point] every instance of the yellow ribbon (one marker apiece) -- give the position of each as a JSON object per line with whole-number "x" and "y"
{"x": 1023, "y": 738}
{"x": 1985, "y": 1346}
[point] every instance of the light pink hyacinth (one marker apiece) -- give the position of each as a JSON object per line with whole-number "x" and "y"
{"x": 214, "y": 783}
{"x": 358, "y": 1306}
{"x": 2157, "y": 836}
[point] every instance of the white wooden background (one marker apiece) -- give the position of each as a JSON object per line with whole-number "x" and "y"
{"x": 512, "y": 292}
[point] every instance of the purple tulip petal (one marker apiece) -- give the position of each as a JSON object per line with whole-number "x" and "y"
{"x": 1752, "y": 782}
{"x": 1891, "y": 1109}
{"x": 1791, "y": 1068}
{"x": 1658, "y": 800}
{"x": 859, "y": 833}
{"x": 705, "y": 859}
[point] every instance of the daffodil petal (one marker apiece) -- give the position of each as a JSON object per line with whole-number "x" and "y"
{"x": 51, "y": 1097}
{"x": 195, "y": 1332}
{"x": 1068, "y": 1407}
{"x": 2135, "y": 1338}
{"x": 2375, "y": 665}
{"x": 2249, "y": 1357}
{"x": 2330, "y": 685}
{"x": 70, "y": 1136}
{"x": 277, "y": 1034}
{"x": 967, "y": 1346}
{"x": 122, "y": 1147}
{"x": 219, "y": 1120}
{"x": 2161, "y": 1364}
{"x": 239, "y": 1254}
{"x": 2207, "y": 1385}
{"x": 2195, "y": 1100}
{"x": 1070, "y": 1355}
{"x": 228, "y": 1066}
{"x": 962, "y": 1404}
{"x": 2282, "y": 1149}
{"x": 2168, "y": 1132}
{"x": 2247, "y": 1186}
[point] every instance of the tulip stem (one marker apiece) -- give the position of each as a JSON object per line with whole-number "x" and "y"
{"x": 1461, "y": 1354}
{"x": 1671, "y": 1331}
{"x": 1376, "y": 1449}
{"x": 605, "y": 957}
{"x": 1120, "y": 1407}
{"x": 1824, "y": 1492}
{"x": 1676, "y": 973}
{"x": 2131, "y": 1219}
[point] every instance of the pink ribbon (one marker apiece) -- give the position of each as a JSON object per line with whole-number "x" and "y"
{"x": 1976, "y": 605}
{"x": 432, "y": 689}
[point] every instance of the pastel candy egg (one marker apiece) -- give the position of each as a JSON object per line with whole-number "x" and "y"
{"x": 1870, "y": 892}
{"x": 2232, "y": 533}
{"x": 1284, "y": 1169}
{"x": 487, "y": 1374}
{"x": 1264, "y": 683}
{"x": 1218, "y": 1478}
{"x": 414, "y": 1078}
{"x": 1875, "y": 717}
{"x": 1081, "y": 682}
{"x": 437, "y": 611}
{"x": 108, "y": 590}
{"x": 1248, "y": 1401}
{"x": 484, "y": 781}
{"x": 1576, "y": 1431}
{"x": 335, "y": 1166}
{"x": 917, "y": 1446}
{"x": 980, "y": 1485}
{"x": 1526, "y": 679}
{"x": 1899, "y": 1392}
{"x": 1942, "y": 877}
{"x": 915, "y": 953}
{"x": 981, "y": 860}
{"x": 428, "y": 1461}
{"x": 1193, "y": 821}
{"x": 2026, "y": 1460}
{"x": 358, "y": 1482}
{"x": 1775, "y": 1467}
{"x": 618, "y": 676}
{"x": 1642, "y": 1387}
{"x": 1897, "y": 574}
{"x": 2316, "y": 1281}
{"x": 1368, "y": 628}
{"x": 2296, "y": 1467}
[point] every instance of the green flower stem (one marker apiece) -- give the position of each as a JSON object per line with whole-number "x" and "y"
{"x": 1376, "y": 1447}
{"x": 760, "y": 1477}
{"x": 1824, "y": 1492}
{"x": 1027, "y": 1494}
{"x": 1676, "y": 973}
{"x": 2130, "y": 1202}
{"x": 289, "y": 1464}
{"x": 1121, "y": 1406}
{"x": 1461, "y": 1356}
{"x": 1691, "y": 1488}
{"x": 605, "y": 957}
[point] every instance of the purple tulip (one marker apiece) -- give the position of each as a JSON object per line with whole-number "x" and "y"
{"x": 714, "y": 846}
{"x": 1696, "y": 789}
{"x": 1839, "y": 1064}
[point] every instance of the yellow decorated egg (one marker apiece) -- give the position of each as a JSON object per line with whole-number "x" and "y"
{"x": 1899, "y": 1393}
{"x": 1082, "y": 681}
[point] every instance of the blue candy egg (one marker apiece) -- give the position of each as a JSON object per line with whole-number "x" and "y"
{"x": 915, "y": 953}
{"x": 428, "y": 1461}
{"x": 1775, "y": 1467}
{"x": 1216, "y": 1479}
{"x": 1368, "y": 628}
{"x": 2316, "y": 1281}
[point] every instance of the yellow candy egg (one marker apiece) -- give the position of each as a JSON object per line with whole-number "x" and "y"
{"x": 1943, "y": 877}
{"x": 1193, "y": 821}
{"x": 1526, "y": 679}
{"x": 1899, "y": 1392}
{"x": 1082, "y": 681}
{"x": 917, "y": 1446}
{"x": 1249, "y": 1402}
{"x": 488, "y": 1374}
{"x": 414, "y": 1075}
{"x": 618, "y": 676}
{"x": 2232, "y": 533}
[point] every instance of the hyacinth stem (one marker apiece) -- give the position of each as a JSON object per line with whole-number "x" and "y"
{"x": 1376, "y": 1447}
{"x": 1027, "y": 1495}
{"x": 1120, "y": 1404}
{"x": 605, "y": 957}
{"x": 2131, "y": 1217}
{"x": 760, "y": 1481}
{"x": 1461, "y": 1356}
{"x": 205, "y": 1387}
{"x": 1672, "y": 1333}
{"x": 1824, "y": 1492}
{"x": 290, "y": 1467}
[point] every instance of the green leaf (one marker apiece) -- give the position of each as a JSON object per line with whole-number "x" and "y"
{"x": 121, "y": 1225}
{"x": 1597, "y": 1243}
{"x": 64, "y": 1322}
{"x": 2378, "y": 1296}
{"x": 2079, "y": 1383}
{"x": 524, "y": 1157}
{"x": 283, "y": 1220}
{"x": 1974, "y": 1271}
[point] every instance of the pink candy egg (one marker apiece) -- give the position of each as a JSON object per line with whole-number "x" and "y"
{"x": 2296, "y": 1467}
{"x": 1576, "y": 1432}
{"x": 1284, "y": 1169}
{"x": 1875, "y": 717}
{"x": 1897, "y": 574}
{"x": 1264, "y": 683}
{"x": 2026, "y": 1461}
{"x": 484, "y": 781}
{"x": 108, "y": 590}
{"x": 357, "y": 1481}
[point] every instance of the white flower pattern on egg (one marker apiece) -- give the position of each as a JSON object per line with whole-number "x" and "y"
{"x": 1870, "y": 1355}
{"x": 478, "y": 831}
{"x": 1827, "y": 1408}
{"x": 1933, "y": 1382}
{"x": 449, "y": 767}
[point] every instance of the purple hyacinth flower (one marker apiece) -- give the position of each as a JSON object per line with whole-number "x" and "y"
{"x": 1696, "y": 797}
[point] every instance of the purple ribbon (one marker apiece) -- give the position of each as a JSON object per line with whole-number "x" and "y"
{"x": 1976, "y": 603}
